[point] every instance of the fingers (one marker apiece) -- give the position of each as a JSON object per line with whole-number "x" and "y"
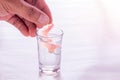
{"x": 44, "y": 7}
{"x": 32, "y": 14}
{"x": 41, "y": 5}
{"x": 25, "y": 27}
{"x": 32, "y": 2}
{"x": 5, "y": 17}
{"x": 31, "y": 28}
{"x": 47, "y": 11}
{"x": 19, "y": 24}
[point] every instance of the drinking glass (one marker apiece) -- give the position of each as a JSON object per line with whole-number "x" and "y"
{"x": 49, "y": 50}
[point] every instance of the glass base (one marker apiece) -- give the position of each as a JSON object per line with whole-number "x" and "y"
{"x": 50, "y": 76}
{"x": 50, "y": 72}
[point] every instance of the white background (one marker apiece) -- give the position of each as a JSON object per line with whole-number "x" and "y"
{"x": 91, "y": 43}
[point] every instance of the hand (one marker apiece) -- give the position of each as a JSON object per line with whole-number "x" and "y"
{"x": 26, "y": 15}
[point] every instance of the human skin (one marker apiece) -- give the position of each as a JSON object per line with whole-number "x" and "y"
{"x": 25, "y": 15}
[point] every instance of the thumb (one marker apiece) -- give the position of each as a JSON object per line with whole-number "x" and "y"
{"x": 31, "y": 13}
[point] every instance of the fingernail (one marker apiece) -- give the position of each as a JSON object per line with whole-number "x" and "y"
{"x": 44, "y": 19}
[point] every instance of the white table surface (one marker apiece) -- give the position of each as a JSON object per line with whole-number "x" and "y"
{"x": 91, "y": 43}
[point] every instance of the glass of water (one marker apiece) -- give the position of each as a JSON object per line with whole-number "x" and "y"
{"x": 49, "y": 50}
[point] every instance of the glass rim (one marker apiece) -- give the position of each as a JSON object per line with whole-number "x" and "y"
{"x": 58, "y": 35}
